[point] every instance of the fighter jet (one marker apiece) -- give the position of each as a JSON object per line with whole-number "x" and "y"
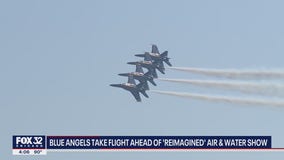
{"x": 150, "y": 65}
{"x": 133, "y": 88}
{"x": 140, "y": 76}
{"x": 156, "y": 56}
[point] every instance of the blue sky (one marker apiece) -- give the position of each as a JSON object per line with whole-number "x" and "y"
{"x": 57, "y": 59}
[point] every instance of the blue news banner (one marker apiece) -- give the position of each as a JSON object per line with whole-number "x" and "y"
{"x": 40, "y": 144}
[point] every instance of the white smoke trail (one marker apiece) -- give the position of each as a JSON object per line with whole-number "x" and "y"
{"x": 233, "y": 73}
{"x": 245, "y": 87}
{"x": 233, "y": 100}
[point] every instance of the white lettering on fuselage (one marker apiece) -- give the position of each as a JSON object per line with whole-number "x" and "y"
{"x": 155, "y": 54}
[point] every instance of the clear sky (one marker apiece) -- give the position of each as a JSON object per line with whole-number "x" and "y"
{"x": 57, "y": 59}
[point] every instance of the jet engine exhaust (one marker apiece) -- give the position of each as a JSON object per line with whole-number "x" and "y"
{"x": 233, "y": 100}
{"x": 233, "y": 73}
{"x": 245, "y": 87}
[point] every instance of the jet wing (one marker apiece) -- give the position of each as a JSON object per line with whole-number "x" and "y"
{"x": 155, "y": 49}
{"x": 153, "y": 72}
{"x": 139, "y": 69}
{"x": 161, "y": 70}
{"x": 147, "y": 57}
{"x": 160, "y": 66}
{"x": 136, "y": 96}
{"x": 131, "y": 80}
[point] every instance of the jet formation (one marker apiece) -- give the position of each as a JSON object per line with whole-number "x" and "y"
{"x": 152, "y": 61}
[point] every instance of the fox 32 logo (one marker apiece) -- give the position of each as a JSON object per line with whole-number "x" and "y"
{"x": 29, "y": 145}
{"x": 28, "y": 142}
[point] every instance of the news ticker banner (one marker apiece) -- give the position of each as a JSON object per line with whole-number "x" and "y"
{"x": 41, "y": 144}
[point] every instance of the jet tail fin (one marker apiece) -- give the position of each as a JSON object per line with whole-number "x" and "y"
{"x": 164, "y": 54}
{"x": 161, "y": 67}
{"x": 161, "y": 70}
{"x": 155, "y": 49}
{"x": 168, "y": 62}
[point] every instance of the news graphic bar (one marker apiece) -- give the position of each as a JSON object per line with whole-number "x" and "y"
{"x": 158, "y": 142}
{"x": 40, "y": 144}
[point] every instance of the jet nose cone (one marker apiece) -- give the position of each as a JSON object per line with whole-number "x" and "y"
{"x": 114, "y": 85}
{"x": 139, "y": 55}
{"x": 123, "y": 74}
{"x": 134, "y": 63}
